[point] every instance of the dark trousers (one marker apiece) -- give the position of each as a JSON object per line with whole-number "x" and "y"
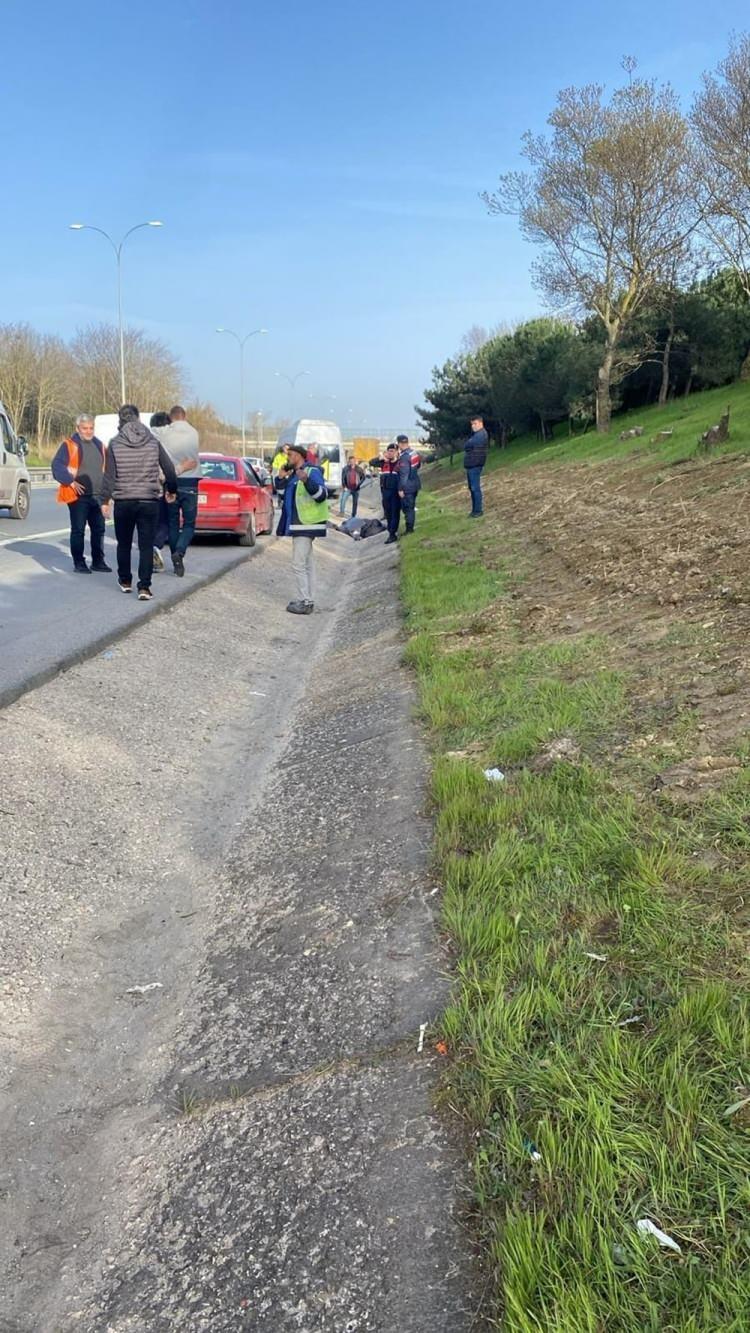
{"x": 355, "y": 502}
{"x": 185, "y": 507}
{"x": 474, "y": 483}
{"x": 82, "y": 511}
{"x": 408, "y": 507}
{"x": 392, "y": 511}
{"x": 132, "y": 516}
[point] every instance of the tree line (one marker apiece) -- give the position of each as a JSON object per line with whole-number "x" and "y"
{"x": 45, "y": 381}
{"x": 641, "y": 216}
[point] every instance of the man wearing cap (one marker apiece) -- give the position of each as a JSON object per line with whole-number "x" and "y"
{"x": 304, "y": 516}
{"x": 389, "y": 492}
{"x": 409, "y": 482}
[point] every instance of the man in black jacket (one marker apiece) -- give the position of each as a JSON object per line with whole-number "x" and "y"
{"x": 135, "y": 460}
{"x": 475, "y": 457}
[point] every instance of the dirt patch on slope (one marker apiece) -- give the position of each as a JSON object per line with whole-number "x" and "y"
{"x": 656, "y": 560}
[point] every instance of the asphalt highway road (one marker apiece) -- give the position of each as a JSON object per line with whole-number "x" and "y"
{"x": 49, "y": 615}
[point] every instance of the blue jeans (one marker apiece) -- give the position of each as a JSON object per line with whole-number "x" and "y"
{"x": 343, "y": 498}
{"x": 185, "y": 506}
{"x": 82, "y": 511}
{"x": 474, "y": 483}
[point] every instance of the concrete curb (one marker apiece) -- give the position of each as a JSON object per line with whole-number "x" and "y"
{"x": 9, "y": 694}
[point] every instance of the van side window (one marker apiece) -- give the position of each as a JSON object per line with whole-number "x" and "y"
{"x": 5, "y": 435}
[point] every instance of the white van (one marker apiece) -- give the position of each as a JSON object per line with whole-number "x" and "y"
{"x": 15, "y": 480}
{"x": 107, "y": 424}
{"x": 325, "y": 438}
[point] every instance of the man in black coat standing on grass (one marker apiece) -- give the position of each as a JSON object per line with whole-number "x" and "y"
{"x": 475, "y": 457}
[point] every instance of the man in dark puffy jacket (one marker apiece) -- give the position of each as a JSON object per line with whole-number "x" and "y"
{"x": 135, "y": 459}
{"x": 475, "y": 457}
{"x": 409, "y": 482}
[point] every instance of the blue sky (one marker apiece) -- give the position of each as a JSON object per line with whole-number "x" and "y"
{"x": 316, "y": 166}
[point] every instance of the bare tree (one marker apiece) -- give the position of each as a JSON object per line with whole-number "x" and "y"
{"x": 721, "y": 125}
{"x": 53, "y": 403}
{"x": 154, "y": 376}
{"x": 473, "y": 339}
{"x": 610, "y": 198}
{"x": 18, "y": 356}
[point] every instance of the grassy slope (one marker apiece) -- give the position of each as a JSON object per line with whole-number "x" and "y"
{"x": 686, "y": 417}
{"x": 618, "y": 1070}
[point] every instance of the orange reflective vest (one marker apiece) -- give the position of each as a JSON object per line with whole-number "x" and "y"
{"x": 65, "y": 494}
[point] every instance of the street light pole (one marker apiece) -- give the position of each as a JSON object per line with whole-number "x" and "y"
{"x": 241, "y": 344}
{"x": 291, "y": 381}
{"x": 117, "y": 248}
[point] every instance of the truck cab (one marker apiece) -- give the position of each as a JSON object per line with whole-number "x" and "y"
{"x": 15, "y": 480}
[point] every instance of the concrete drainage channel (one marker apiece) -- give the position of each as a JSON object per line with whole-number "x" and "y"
{"x": 219, "y": 1038}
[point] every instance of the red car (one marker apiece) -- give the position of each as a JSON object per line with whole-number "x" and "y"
{"x": 232, "y": 498}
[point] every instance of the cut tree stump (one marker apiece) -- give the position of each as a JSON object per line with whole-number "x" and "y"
{"x": 716, "y": 434}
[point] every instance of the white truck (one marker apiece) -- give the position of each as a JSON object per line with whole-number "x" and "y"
{"x": 325, "y": 438}
{"x": 15, "y": 480}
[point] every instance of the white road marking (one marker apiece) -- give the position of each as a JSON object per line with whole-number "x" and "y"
{"x": 35, "y": 537}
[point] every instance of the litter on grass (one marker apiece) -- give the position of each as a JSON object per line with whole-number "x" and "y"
{"x": 649, "y": 1228}
{"x": 494, "y": 775}
{"x": 420, "y": 1043}
{"x": 598, "y": 957}
{"x": 531, "y": 1148}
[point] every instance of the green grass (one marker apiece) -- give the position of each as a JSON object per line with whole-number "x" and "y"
{"x": 629, "y": 1118}
{"x": 688, "y": 418}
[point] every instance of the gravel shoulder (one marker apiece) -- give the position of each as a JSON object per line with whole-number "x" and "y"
{"x": 230, "y": 810}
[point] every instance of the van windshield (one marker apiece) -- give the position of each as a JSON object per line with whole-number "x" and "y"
{"x": 329, "y": 451}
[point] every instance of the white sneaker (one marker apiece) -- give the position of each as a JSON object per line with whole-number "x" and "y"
{"x": 158, "y": 560}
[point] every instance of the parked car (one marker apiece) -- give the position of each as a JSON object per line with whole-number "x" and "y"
{"x": 258, "y": 474}
{"x": 232, "y": 499}
{"x": 15, "y": 480}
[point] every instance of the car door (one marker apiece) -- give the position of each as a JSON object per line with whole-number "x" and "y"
{"x": 262, "y": 498}
{"x": 9, "y": 462}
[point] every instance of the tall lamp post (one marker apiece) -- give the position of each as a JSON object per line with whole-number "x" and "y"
{"x": 291, "y": 381}
{"x": 117, "y": 247}
{"x": 241, "y": 344}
